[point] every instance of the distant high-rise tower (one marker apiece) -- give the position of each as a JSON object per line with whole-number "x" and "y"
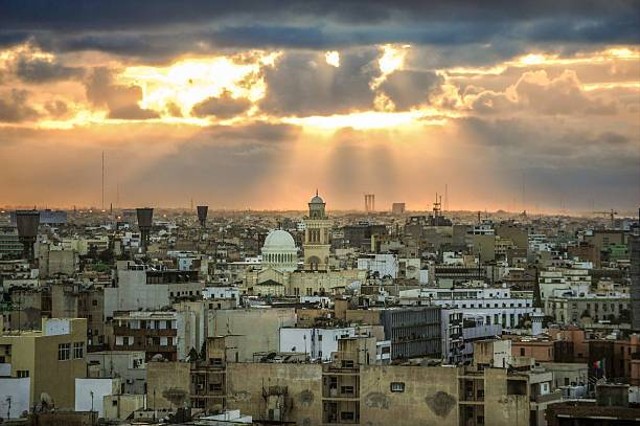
{"x": 398, "y": 208}
{"x": 316, "y": 236}
{"x": 369, "y": 203}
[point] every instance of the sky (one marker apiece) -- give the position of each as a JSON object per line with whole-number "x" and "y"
{"x": 257, "y": 103}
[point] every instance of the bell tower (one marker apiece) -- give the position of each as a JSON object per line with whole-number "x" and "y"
{"x": 316, "y": 236}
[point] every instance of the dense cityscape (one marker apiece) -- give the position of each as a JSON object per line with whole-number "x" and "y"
{"x": 320, "y": 212}
{"x": 146, "y": 316}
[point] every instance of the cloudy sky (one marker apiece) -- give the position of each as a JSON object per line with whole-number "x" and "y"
{"x": 256, "y": 103}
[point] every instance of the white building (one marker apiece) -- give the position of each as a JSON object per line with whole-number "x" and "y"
{"x": 15, "y": 391}
{"x": 316, "y": 342}
{"x": 385, "y": 264}
{"x": 141, "y": 287}
{"x": 497, "y": 305}
{"x": 90, "y": 393}
{"x": 225, "y": 292}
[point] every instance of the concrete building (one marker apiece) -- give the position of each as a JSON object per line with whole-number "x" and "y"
{"x": 317, "y": 343}
{"x": 383, "y": 265}
{"x": 129, "y": 366}
{"x": 398, "y": 208}
{"x": 168, "y": 385}
{"x": 414, "y": 332}
{"x": 90, "y": 393}
{"x": 170, "y": 335}
{"x": 10, "y": 245}
{"x": 53, "y": 261}
{"x": 15, "y": 395}
{"x": 634, "y": 253}
{"x": 361, "y": 235}
{"x": 498, "y": 305}
{"x": 588, "y": 308}
{"x": 75, "y": 300}
{"x": 52, "y": 359}
{"x": 257, "y": 329}
{"x": 611, "y": 407}
{"x": 139, "y": 287}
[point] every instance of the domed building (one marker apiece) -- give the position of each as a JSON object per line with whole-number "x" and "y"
{"x": 279, "y": 251}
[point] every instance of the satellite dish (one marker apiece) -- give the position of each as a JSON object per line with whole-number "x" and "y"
{"x": 46, "y": 398}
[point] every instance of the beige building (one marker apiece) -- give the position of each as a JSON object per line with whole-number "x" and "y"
{"x": 257, "y": 330}
{"x": 301, "y": 283}
{"x": 348, "y": 390}
{"x": 52, "y": 358}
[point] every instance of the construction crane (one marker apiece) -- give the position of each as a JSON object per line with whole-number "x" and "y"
{"x": 612, "y": 215}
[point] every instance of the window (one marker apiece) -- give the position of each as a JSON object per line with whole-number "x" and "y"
{"x": 22, "y": 373}
{"x": 347, "y": 415}
{"x": 347, "y": 363}
{"x": 64, "y": 351}
{"x": 347, "y": 390}
{"x": 94, "y": 302}
{"x": 78, "y": 350}
{"x": 397, "y": 386}
{"x": 521, "y": 351}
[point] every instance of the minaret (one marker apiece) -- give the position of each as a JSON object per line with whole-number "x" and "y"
{"x": 316, "y": 236}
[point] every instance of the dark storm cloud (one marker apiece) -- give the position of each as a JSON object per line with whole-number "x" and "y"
{"x": 224, "y": 106}
{"x": 151, "y": 28}
{"x": 122, "y": 101}
{"x": 240, "y": 156}
{"x": 14, "y": 107}
{"x": 302, "y": 83}
{"x": 99, "y": 15}
{"x": 36, "y": 70}
{"x": 559, "y": 161}
{"x": 408, "y": 88}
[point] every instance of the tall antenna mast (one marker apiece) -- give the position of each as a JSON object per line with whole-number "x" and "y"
{"x": 524, "y": 199}
{"x": 103, "y": 180}
{"x": 446, "y": 197}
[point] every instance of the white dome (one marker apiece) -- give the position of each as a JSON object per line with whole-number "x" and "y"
{"x": 316, "y": 200}
{"x": 279, "y": 239}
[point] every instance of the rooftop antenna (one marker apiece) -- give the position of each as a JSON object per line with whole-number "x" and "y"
{"x": 437, "y": 208}
{"x": 446, "y": 197}
{"x": 524, "y": 193}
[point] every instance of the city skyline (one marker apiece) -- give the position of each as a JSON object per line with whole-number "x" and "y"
{"x": 257, "y": 104}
